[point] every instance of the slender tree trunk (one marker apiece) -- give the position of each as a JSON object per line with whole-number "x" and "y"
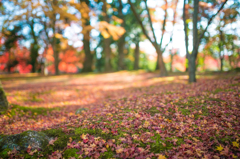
{"x": 157, "y": 63}
{"x": 121, "y": 41}
{"x": 136, "y": 56}
{"x": 34, "y": 48}
{"x": 34, "y": 55}
{"x": 185, "y": 31}
{"x": 107, "y": 51}
{"x": 107, "y": 42}
{"x": 171, "y": 62}
{"x": 88, "y": 61}
{"x": 163, "y": 70}
{"x": 193, "y": 55}
{"x": 220, "y": 45}
{"x": 192, "y": 68}
{"x": 54, "y": 42}
{"x": 221, "y": 61}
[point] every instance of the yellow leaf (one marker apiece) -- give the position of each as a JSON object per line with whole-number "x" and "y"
{"x": 161, "y": 157}
{"x": 234, "y": 156}
{"x": 70, "y": 139}
{"x": 219, "y": 148}
{"x": 235, "y": 144}
{"x": 84, "y": 136}
{"x": 58, "y": 35}
{"x": 120, "y": 150}
{"x": 146, "y": 124}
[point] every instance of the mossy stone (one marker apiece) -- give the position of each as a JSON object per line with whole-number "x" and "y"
{"x": 37, "y": 140}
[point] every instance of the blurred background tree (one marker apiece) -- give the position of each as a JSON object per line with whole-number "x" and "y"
{"x": 103, "y": 36}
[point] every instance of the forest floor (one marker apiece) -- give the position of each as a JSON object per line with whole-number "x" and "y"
{"x": 126, "y": 115}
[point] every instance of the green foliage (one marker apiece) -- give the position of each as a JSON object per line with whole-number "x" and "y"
{"x": 21, "y": 110}
{"x": 163, "y": 145}
{"x": 152, "y": 110}
{"x": 4, "y": 153}
{"x": 70, "y": 153}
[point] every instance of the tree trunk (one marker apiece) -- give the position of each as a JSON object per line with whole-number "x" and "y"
{"x": 34, "y": 48}
{"x": 3, "y": 99}
{"x": 107, "y": 42}
{"x": 193, "y": 55}
{"x": 185, "y": 31}
{"x": 121, "y": 41}
{"x": 54, "y": 42}
{"x": 192, "y": 68}
{"x": 163, "y": 70}
{"x": 107, "y": 52}
{"x": 171, "y": 62}
{"x": 121, "y": 44}
{"x": 157, "y": 64}
{"x": 55, "y": 55}
{"x": 221, "y": 64}
{"x": 88, "y": 61}
{"x": 34, "y": 55}
{"x": 220, "y": 45}
{"x": 136, "y": 56}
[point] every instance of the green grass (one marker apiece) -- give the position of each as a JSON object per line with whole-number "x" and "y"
{"x": 153, "y": 111}
{"x": 20, "y": 110}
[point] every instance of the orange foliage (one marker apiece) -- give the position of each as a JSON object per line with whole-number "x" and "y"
{"x": 69, "y": 61}
{"x": 18, "y": 55}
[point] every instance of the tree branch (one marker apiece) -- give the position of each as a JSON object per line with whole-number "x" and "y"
{"x": 150, "y": 20}
{"x": 209, "y": 22}
{"x": 164, "y": 24}
{"x": 139, "y": 21}
{"x": 185, "y": 27}
{"x": 168, "y": 43}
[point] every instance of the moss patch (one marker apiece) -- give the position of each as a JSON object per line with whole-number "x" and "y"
{"x": 20, "y": 110}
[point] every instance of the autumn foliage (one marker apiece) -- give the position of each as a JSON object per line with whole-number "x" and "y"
{"x": 16, "y": 60}
{"x": 128, "y": 115}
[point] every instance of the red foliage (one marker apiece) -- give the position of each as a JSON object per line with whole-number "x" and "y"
{"x": 69, "y": 61}
{"x": 18, "y": 55}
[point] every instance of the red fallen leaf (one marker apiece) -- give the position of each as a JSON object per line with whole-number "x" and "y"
{"x": 85, "y": 141}
{"x": 29, "y": 149}
{"x": 188, "y": 141}
{"x": 103, "y": 150}
{"x": 225, "y": 151}
{"x": 189, "y": 152}
{"x": 51, "y": 142}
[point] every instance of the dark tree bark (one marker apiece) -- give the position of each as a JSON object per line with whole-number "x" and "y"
{"x": 185, "y": 30}
{"x": 121, "y": 41}
{"x": 136, "y": 56}
{"x": 54, "y": 42}
{"x": 163, "y": 70}
{"x": 88, "y": 61}
{"x": 107, "y": 42}
{"x": 196, "y": 40}
{"x": 163, "y": 30}
{"x": 191, "y": 57}
{"x": 34, "y": 48}
{"x": 220, "y": 45}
